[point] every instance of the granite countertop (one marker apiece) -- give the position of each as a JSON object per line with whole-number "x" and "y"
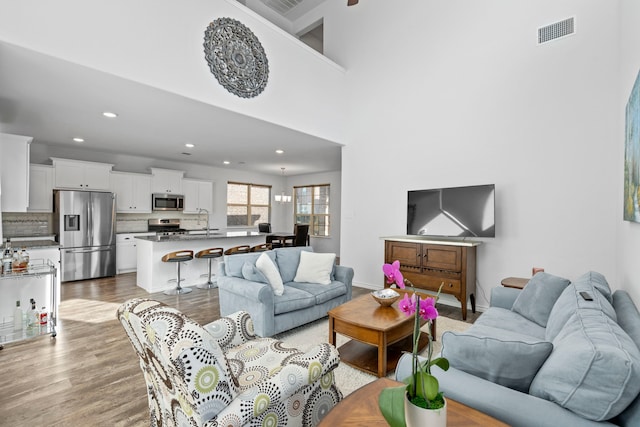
{"x": 135, "y": 232}
{"x": 34, "y": 242}
{"x": 213, "y": 235}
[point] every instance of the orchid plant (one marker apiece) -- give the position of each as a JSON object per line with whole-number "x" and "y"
{"x": 422, "y": 388}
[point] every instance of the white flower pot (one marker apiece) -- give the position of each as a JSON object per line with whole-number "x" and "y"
{"x": 416, "y": 416}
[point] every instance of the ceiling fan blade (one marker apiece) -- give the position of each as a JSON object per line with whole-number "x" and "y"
{"x": 351, "y": 2}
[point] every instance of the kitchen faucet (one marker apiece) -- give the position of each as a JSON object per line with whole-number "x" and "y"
{"x": 200, "y": 210}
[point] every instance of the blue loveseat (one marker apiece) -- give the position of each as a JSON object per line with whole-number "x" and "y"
{"x": 545, "y": 356}
{"x": 300, "y": 302}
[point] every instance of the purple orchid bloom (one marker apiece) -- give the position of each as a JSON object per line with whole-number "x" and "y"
{"x": 392, "y": 271}
{"x": 428, "y": 310}
{"x": 407, "y": 304}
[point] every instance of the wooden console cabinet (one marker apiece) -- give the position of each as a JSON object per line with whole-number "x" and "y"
{"x": 430, "y": 263}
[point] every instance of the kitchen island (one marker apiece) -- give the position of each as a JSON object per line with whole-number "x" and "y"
{"x": 154, "y": 275}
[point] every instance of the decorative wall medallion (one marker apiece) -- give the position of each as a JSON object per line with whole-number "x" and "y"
{"x": 236, "y": 57}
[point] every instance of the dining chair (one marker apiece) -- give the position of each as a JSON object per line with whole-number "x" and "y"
{"x": 264, "y": 227}
{"x": 301, "y": 238}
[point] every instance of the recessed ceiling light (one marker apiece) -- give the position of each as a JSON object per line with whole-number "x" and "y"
{"x": 78, "y": 139}
{"x": 279, "y": 151}
{"x": 189, "y": 145}
{"x": 110, "y": 114}
{"x": 227, "y": 162}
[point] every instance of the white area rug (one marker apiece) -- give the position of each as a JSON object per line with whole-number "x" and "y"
{"x": 349, "y": 379}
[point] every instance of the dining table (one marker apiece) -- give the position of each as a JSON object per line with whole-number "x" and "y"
{"x": 280, "y": 237}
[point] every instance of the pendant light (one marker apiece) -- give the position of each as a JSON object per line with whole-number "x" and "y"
{"x": 282, "y": 197}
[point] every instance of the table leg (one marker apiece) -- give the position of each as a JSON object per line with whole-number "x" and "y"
{"x": 332, "y": 332}
{"x": 382, "y": 354}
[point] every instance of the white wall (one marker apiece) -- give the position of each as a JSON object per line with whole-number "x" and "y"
{"x": 160, "y": 43}
{"x": 628, "y": 233}
{"x": 459, "y": 93}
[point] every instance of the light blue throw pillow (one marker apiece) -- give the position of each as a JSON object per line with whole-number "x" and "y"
{"x": 502, "y": 357}
{"x": 251, "y": 272}
{"x": 539, "y": 296}
{"x": 233, "y": 263}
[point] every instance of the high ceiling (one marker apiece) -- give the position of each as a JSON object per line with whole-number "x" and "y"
{"x": 54, "y": 101}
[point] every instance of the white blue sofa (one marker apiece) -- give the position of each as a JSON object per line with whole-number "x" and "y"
{"x": 303, "y": 299}
{"x": 545, "y": 356}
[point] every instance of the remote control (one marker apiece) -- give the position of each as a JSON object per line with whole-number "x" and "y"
{"x": 585, "y": 296}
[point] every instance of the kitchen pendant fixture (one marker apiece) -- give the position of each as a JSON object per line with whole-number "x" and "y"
{"x": 282, "y": 197}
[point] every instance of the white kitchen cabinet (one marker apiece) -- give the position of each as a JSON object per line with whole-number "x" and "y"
{"x": 14, "y": 172}
{"x": 40, "y": 188}
{"x": 198, "y": 194}
{"x": 78, "y": 174}
{"x": 126, "y": 252}
{"x": 166, "y": 181}
{"x": 133, "y": 192}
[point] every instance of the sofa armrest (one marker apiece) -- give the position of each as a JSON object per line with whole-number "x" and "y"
{"x": 345, "y": 275}
{"x": 236, "y": 294}
{"x": 232, "y": 330}
{"x": 299, "y": 371}
{"x": 504, "y": 297}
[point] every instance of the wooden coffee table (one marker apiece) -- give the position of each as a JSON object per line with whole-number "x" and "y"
{"x": 379, "y": 334}
{"x": 360, "y": 408}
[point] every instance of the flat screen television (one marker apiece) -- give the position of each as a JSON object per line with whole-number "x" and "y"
{"x": 452, "y": 212}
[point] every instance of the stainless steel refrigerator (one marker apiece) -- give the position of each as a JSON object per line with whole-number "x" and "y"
{"x": 84, "y": 222}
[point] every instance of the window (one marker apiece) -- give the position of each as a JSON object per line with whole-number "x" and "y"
{"x": 312, "y": 207}
{"x": 247, "y": 204}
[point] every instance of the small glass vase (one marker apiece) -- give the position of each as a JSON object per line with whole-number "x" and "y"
{"x": 416, "y": 416}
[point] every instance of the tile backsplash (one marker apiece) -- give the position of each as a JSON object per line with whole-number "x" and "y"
{"x": 41, "y": 224}
{"x": 132, "y": 222}
{"x": 26, "y": 224}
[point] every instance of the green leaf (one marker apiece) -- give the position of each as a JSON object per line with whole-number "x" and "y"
{"x": 391, "y": 403}
{"x": 440, "y": 362}
{"x": 427, "y": 386}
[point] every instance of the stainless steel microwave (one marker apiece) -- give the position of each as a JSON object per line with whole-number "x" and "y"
{"x": 167, "y": 202}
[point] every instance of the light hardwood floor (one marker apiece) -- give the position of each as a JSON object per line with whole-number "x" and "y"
{"x": 89, "y": 374}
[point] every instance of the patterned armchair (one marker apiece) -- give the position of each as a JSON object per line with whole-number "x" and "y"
{"x": 222, "y": 374}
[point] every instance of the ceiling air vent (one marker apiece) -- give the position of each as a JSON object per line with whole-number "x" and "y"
{"x": 282, "y": 6}
{"x": 556, "y": 30}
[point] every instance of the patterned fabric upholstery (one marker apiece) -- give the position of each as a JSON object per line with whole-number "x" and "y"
{"x": 222, "y": 374}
